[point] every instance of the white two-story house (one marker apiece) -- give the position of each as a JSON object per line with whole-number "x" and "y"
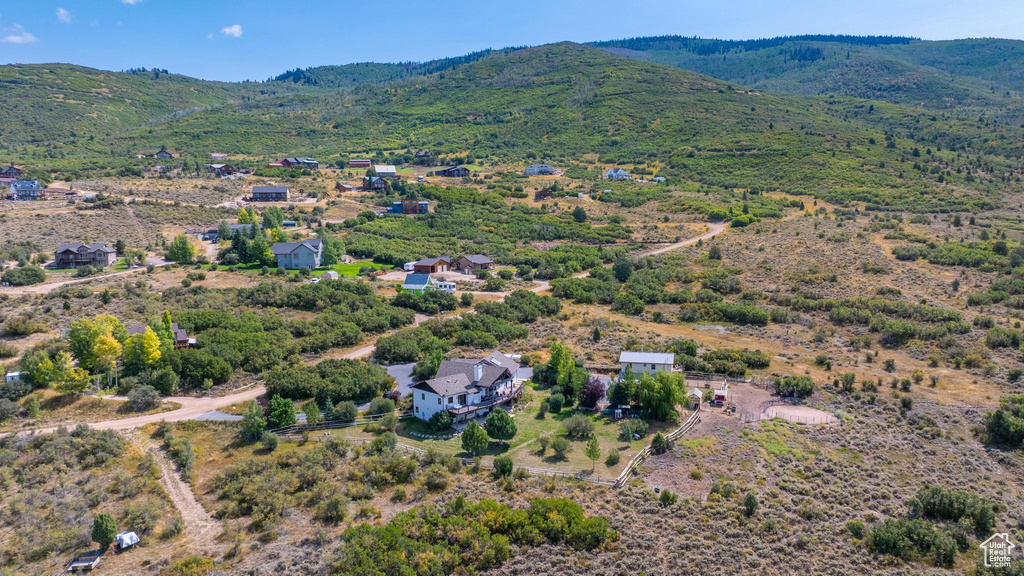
{"x": 468, "y": 388}
{"x": 639, "y": 362}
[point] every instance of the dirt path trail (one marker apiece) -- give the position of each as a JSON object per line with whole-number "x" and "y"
{"x": 200, "y": 527}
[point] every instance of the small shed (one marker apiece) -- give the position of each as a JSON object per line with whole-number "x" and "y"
{"x": 695, "y": 396}
{"x": 126, "y": 540}
{"x": 330, "y": 274}
{"x": 721, "y": 395}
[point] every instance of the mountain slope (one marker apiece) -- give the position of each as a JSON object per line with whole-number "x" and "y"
{"x": 941, "y": 75}
{"x": 565, "y": 101}
{"x": 54, "y": 102}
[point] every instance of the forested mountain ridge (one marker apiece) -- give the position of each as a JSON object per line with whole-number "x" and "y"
{"x": 567, "y": 101}
{"x": 983, "y": 73}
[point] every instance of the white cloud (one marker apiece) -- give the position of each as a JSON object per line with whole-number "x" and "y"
{"x": 130, "y": 2}
{"x": 17, "y": 35}
{"x": 235, "y": 31}
{"x": 209, "y": 35}
{"x": 63, "y": 15}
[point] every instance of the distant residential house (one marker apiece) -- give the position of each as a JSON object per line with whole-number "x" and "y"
{"x": 163, "y": 153}
{"x": 216, "y": 156}
{"x": 374, "y": 183}
{"x": 423, "y": 154}
{"x": 297, "y": 255}
{"x": 213, "y": 235}
{"x": 659, "y": 179}
{"x": 179, "y": 335}
{"x": 12, "y": 377}
{"x": 222, "y": 170}
{"x": 344, "y": 188}
{"x": 544, "y": 194}
{"x": 269, "y": 193}
{"x": 385, "y": 170}
{"x": 433, "y": 265}
{"x": 617, "y": 174}
{"x": 308, "y": 163}
{"x": 468, "y": 388}
{"x": 454, "y": 172}
{"x": 26, "y": 190}
{"x": 471, "y": 262}
{"x": 409, "y": 206}
{"x": 75, "y": 255}
{"x": 360, "y": 163}
{"x": 539, "y": 170}
{"x": 445, "y": 286}
{"x": 11, "y": 171}
{"x": 416, "y": 283}
{"x": 649, "y": 362}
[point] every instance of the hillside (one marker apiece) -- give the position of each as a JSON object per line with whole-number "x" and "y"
{"x": 350, "y": 75}
{"x": 949, "y": 74}
{"x": 565, "y": 101}
{"x": 42, "y": 103}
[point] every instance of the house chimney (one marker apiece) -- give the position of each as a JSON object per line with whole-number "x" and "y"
{"x": 478, "y": 372}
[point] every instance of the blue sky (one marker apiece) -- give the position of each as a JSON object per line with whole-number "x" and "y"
{"x": 256, "y": 39}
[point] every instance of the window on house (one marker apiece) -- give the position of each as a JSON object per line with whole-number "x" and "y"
{"x": 451, "y": 399}
{"x": 423, "y": 396}
{"x": 439, "y": 400}
{"x": 462, "y": 399}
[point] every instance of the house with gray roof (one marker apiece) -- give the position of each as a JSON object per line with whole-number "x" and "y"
{"x": 539, "y": 170}
{"x": 269, "y": 194}
{"x": 297, "y": 255}
{"x": 468, "y": 388}
{"x": 617, "y": 174}
{"x": 471, "y": 262}
{"x": 26, "y": 190}
{"x": 75, "y": 255}
{"x": 650, "y": 362}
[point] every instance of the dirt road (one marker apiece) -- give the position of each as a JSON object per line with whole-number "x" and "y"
{"x": 51, "y": 286}
{"x": 190, "y": 408}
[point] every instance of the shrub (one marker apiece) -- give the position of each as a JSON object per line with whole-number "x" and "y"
{"x": 331, "y": 510}
{"x": 381, "y": 406}
{"x": 659, "y": 444}
{"x": 750, "y": 504}
{"x": 441, "y": 421}
{"x": 555, "y": 403}
{"x": 630, "y": 427}
{"x": 798, "y": 386}
{"x": 143, "y": 398}
{"x": 667, "y": 498}
{"x": 24, "y": 276}
{"x": 578, "y": 426}
{"x": 561, "y": 446}
{"x": 103, "y": 530}
{"x": 8, "y": 409}
{"x": 269, "y": 441}
{"x": 346, "y": 411}
{"x": 502, "y": 466}
{"x": 612, "y": 459}
{"x": 855, "y": 528}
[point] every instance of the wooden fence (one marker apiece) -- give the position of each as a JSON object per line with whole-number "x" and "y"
{"x": 296, "y": 429}
{"x": 643, "y": 454}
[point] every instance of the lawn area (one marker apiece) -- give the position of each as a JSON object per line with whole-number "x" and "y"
{"x": 525, "y": 449}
